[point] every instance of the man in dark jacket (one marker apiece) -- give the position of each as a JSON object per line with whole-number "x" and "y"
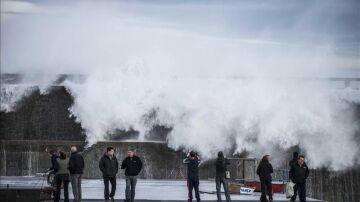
{"x": 109, "y": 167}
{"x": 292, "y": 164}
{"x": 264, "y": 171}
{"x": 132, "y": 165}
{"x": 192, "y": 162}
{"x": 221, "y": 168}
{"x": 299, "y": 174}
{"x": 53, "y": 157}
{"x": 76, "y": 167}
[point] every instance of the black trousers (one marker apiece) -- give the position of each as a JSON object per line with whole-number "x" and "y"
{"x": 301, "y": 188}
{"x": 112, "y": 181}
{"x": 62, "y": 178}
{"x": 266, "y": 189}
{"x": 193, "y": 184}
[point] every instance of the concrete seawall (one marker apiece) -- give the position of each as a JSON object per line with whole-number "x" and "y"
{"x": 28, "y": 157}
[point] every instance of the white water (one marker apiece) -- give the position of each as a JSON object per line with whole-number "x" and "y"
{"x": 138, "y": 58}
{"x": 208, "y": 115}
{"x": 11, "y": 94}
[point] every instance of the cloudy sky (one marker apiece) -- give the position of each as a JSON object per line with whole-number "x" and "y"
{"x": 295, "y": 37}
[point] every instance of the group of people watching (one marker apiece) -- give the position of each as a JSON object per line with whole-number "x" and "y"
{"x": 298, "y": 174}
{"x": 67, "y": 170}
{"x": 109, "y": 167}
{"x": 71, "y": 170}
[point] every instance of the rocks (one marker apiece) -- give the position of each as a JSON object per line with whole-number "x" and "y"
{"x": 42, "y": 117}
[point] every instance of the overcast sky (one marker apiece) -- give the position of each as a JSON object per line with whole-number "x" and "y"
{"x": 38, "y": 35}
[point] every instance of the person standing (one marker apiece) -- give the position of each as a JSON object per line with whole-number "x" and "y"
{"x": 132, "y": 165}
{"x": 264, "y": 171}
{"x": 192, "y": 161}
{"x": 220, "y": 178}
{"x": 300, "y": 172}
{"x": 76, "y": 168}
{"x": 62, "y": 176}
{"x": 292, "y": 164}
{"x": 53, "y": 158}
{"x": 109, "y": 167}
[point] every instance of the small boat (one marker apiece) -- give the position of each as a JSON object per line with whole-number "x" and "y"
{"x": 247, "y": 190}
{"x": 237, "y": 188}
{"x": 277, "y": 186}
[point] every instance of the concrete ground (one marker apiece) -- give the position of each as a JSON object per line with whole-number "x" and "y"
{"x": 95, "y": 200}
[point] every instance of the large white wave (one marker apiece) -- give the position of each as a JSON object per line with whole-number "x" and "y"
{"x": 237, "y": 86}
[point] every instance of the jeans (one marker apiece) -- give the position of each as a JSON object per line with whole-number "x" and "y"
{"x": 76, "y": 186}
{"x": 218, "y": 181}
{"x": 130, "y": 187}
{"x": 62, "y": 178}
{"x": 266, "y": 189}
{"x": 193, "y": 184}
{"x": 112, "y": 181}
